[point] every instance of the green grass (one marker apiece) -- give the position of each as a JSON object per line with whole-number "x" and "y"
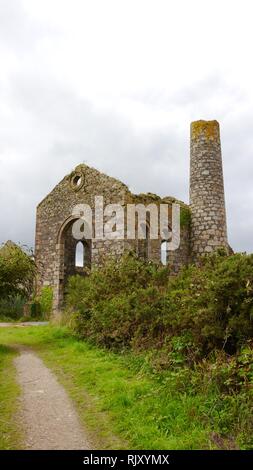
{"x": 119, "y": 401}
{"x": 10, "y": 435}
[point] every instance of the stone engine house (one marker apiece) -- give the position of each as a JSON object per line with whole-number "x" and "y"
{"x": 202, "y": 225}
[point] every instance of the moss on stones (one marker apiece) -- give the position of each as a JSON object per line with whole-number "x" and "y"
{"x": 185, "y": 216}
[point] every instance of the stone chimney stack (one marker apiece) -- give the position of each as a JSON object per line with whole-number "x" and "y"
{"x": 207, "y": 201}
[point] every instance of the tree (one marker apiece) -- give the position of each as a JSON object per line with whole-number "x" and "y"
{"x": 17, "y": 271}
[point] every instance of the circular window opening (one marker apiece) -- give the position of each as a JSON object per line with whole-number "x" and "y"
{"x": 77, "y": 180}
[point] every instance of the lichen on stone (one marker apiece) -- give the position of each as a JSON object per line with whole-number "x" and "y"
{"x": 209, "y": 129}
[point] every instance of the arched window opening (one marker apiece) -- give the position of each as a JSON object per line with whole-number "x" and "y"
{"x": 143, "y": 243}
{"x": 164, "y": 253}
{"x": 80, "y": 252}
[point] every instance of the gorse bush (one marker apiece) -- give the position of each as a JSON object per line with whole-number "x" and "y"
{"x": 213, "y": 303}
{"x": 114, "y": 304}
{"x": 133, "y": 304}
{"x": 192, "y": 332}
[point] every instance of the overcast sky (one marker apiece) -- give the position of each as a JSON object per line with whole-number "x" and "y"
{"x": 115, "y": 84}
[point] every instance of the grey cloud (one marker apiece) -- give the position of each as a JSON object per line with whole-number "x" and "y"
{"x": 196, "y": 96}
{"x": 61, "y": 131}
{"x": 46, "y": 130}
{"x": 18, "y": 31}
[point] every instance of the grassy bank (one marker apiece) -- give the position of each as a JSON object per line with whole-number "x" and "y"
{"x": 126, "y": 405}
{"x": 10, "y": 436}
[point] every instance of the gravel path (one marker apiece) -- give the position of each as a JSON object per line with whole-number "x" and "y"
{"x": 47, "y": 415}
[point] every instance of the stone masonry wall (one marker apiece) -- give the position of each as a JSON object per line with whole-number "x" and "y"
{"x": 54, "y": 220}
{"x": 55, "y": 247}
{"x": 207, "y": 201}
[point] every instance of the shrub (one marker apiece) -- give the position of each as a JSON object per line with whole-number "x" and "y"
{"x": 42, "y": 304}
{"x": 35, "y": 310}
{"x": 193, "y": 332}
{"x": 12, "y": 307}
{"x": 130, "y": 303}
{"x": 46, "y": 301}
{"x": 115, "y": 304}
{"x": 214, "y": 303}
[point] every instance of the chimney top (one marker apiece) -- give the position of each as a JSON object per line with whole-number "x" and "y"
{"x": 210, "y": 130}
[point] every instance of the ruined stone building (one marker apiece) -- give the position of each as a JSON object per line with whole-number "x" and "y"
{"x": 203, "y": 222}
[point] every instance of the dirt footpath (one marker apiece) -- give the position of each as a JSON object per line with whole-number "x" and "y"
{"x": 47, "y": 415}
